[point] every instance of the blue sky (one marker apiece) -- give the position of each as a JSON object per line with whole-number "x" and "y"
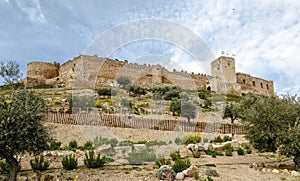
{"x": 263, "y": 35}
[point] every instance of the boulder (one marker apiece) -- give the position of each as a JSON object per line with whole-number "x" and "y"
{"x": 179, "y": 176}
{"x": 295, "y": 173}
{"x": 139, "y": 147}
{"x": 165, "y": 172}
{"x": 275, "y": 171}
{"x": 104, "y": 148}
{"x": 122, "y": 151}
{"x": 189, "y": 172}
{"x": 192, "y": 147}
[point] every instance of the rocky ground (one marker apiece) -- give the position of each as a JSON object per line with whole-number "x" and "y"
{"x": 229, "y": 168}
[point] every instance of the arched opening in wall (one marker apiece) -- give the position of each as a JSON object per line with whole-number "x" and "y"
{"x": 253, "y": 83}
{"x": 261, "y": 85}
{"x": 208, "y": 88}
{"x": 244, "y": 81}
{"x": 267, "y": 86}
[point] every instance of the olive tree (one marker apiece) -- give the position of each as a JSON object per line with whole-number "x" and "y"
{"x": 10, "y": 72}
{"x": 232, "y": 111}
{"x": 188, "y": 110}
{"x": 272, "y": 124}
{"x": 21, "y": 127}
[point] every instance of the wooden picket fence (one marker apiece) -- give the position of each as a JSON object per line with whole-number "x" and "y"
{"x": 95, "y": 119}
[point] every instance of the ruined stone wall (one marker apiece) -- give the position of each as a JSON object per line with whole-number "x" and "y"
{"x": 94, "y": 72}
{"x": 39, "y": 72}
{"x": 255, "y": 85}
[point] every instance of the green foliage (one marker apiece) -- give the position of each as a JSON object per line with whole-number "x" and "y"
{"x": 162, "y": 161}
{"x": 172, "y": 94}
{"x": 180, "y": 165}
{"x": 69, "y": 162}
{"x": 188, "y": 110}
{"x": 228, "y": 149}
{"x": 94, "y": 162}
{"x": 123, "y": 81}
{"x": 195, "y": 175}
{"x": 73, "y": 144}
{"x": 55, "y": 145}
{"x": 218, "y": 139}
{"x": 87, "y": 146}
{"x": 21, "y": 126}
{"x": 240, "y": 151}
{"x": 10, "y": 72}
{"x": 175, "y": 155}
{"x": 139, "y": 157}
{"x": 227, "y": 138}
{"x": 175, "y": 107}
{"x": 98, "y": 141}
{"x": 39, "y": 164}
{"x": 196, "y": 154}
{"x": 137, "y": 91}
{"x": 5, "y": 169}
{"x": 232, "y": 111}
{"x": 213, "y": 153}
{"x": 107, "y": 92}
{"x": 192, "y": 139}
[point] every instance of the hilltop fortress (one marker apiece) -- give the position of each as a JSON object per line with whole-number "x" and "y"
{"x": 94, "y": 72}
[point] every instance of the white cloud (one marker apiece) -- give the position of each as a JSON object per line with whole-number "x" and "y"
{"x": 33, "y": 10}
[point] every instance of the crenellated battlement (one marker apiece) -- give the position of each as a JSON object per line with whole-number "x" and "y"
{"x": 94, "y": 72}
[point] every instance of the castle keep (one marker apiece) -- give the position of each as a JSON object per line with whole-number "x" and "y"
{"x": 94, "y": 72}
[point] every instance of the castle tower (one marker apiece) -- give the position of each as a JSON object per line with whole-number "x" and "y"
{"x": 224, "y": 68}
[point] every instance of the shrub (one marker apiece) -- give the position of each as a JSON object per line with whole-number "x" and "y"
{"x": 180, "y": 165}
{"x": 73, "y": 144}
{"x": 211, "y": 172}
{"x": 162, "y": 161}
{"x": 196, "y": 154}
{"x": 195, "y": 175}
{"x": 218, "y": 139}
{"x": 227, "y": 138}
{"x": 192, "y": 139}
{"x": 5, "y": 169}
{"x": 240, "y": 151}
{"x": 55, "y": 145}
{"x": 175, "y": 155}
{"x": 106, "y": 92}
{"x": 98, "y": 141}
{"x": 138, "y": 158}
{"x": 39, "y": 164}
{"x": 213, "y": 153}
{"x": 228, "y": 152}
{"x": 179, "y": 141}
{"x": 228, "y": 149}
{"x": 91, "y": 162}
{"x": 87, "y": 146}
{"x": 69, "y": 162}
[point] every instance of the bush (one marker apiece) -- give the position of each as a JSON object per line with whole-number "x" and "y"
{"x": 213, "y": 153}
{"x": 180, "y": 165}
{"x": 218, "y": 139}
{"x": 195, "y": 175}
{"x": 240, "y": 151}
{"x": 91, "y": 162}
{"x": 106, "y": 92}
{"x": 228, "y": 149}
{"x": 73, "y": 144}
{"x": 196, "y": 154}
{"x": 162, "y": 161}
{"x": 192, "y": 139}
{"x": 55, "y": 145}
{"x": 98, "y": 141}
{"x": 69, "y": 162}
{"x": 175, "y": 155}
{"x": 138, "y": 158}
{"x": 87, "y": 146}
{"x": 4, "y": 167}
{"x": 39, "y": 164}
{"x": 227, "y": 138}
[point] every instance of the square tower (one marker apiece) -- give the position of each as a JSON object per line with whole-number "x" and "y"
{"x": 224, "y": 68}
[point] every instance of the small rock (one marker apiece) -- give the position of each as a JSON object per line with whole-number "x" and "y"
{"x": 275, "y": 171}
{"x": 260, "y": 164}
{"x": 284, "y": 171}
{"x": 192, "y": 147}
{"x": 264, "y": 170}
{"x": 104, "y": 148}
{"x": 179, "y": 176}
{"x": 295, "y": 173}
{"x": 139, "y": 147}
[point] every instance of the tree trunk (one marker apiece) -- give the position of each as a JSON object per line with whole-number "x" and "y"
{"x": 297, "y": 161}
{"x": 13, "y": 165}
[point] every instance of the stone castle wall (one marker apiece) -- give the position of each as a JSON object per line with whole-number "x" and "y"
{"x": 94, "y": 72}
{"x": 255, "y": 85}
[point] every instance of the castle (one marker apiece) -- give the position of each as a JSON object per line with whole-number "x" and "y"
{"x": 94, "y": 72}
